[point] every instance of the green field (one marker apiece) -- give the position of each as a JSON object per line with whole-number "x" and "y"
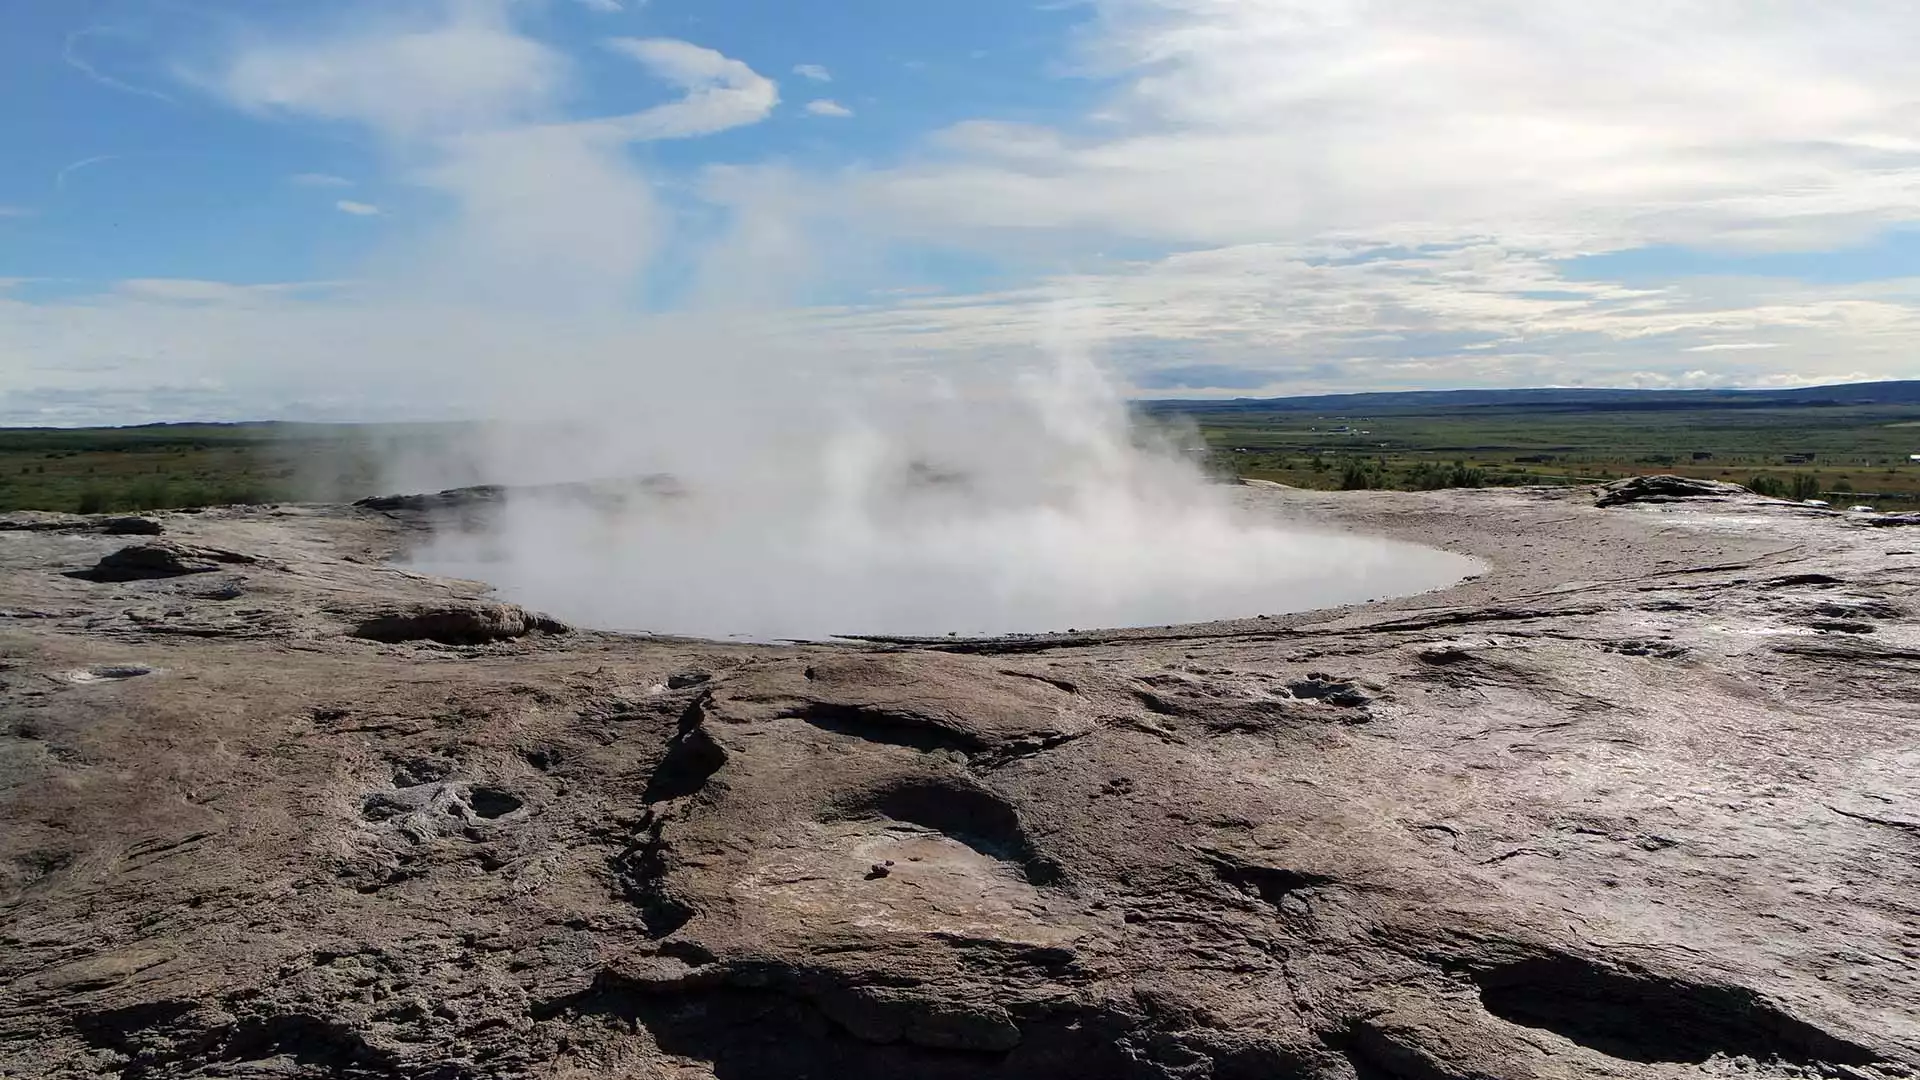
{"x": 1845, "y": 444}
{"x": 1850, "y": 452}
{"x": 93, "y": 470}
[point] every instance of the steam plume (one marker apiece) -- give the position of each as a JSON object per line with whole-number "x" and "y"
{"x": 715, "y": 478}
{"x": 919, "y": 509}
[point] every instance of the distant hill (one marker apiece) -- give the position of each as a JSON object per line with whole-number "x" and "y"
{"x": 1902, "y": 392}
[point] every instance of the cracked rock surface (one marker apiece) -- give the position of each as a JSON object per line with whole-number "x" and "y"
{"x": 1643, "y": 800}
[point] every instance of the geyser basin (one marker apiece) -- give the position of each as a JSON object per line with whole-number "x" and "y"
{"x": 685, "y": 564}
{"x": 1035, "y": 503}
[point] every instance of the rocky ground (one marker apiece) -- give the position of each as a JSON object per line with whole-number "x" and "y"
{"x": 1641, "y": 801}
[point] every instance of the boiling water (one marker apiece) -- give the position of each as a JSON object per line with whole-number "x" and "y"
{"x": 713, "y": 568}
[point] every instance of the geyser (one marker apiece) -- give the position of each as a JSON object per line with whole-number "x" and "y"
{"x": 923, "y": 512}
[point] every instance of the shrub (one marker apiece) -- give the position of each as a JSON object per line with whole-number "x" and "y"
{"x": 150, "y": 494}
{"x": 1428, "y": 476}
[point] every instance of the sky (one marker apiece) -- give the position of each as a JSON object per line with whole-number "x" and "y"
{"x": 233, "y": 209}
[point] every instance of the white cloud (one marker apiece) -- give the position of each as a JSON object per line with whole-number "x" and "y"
{"x": 1311, "y": 318}
{"x": 813, "y": 71}
{"x": 188, "y": 290}
{"x": 406, "y": 79}
{"x": 558, "y": 215}
{"x": 721, "y": 92}
{"x": 319, "y": 180}
{"x": 548, "y": 217}
{"x": 1272, "y": 140}
{"x": 604, "y": 7}
{"x": 15, "y": 211}
{"x": 1573, "y": 125}
{"x": 1357, "y": 195}
{"x": 161, "y": 349}
{"x": 827, "y": 107}
{"x": 552, "y": 209}
{"x": 1271, "y": 319}
{"x": 358, "y": 209}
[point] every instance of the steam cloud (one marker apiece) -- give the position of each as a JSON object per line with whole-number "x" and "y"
{"x": 864, "y": 507}
{"x": 738, "y": 480}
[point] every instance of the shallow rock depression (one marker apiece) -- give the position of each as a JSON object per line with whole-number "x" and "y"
{"x": 654, "y": 559}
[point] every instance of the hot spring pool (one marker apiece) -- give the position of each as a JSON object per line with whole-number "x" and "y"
{"x": 978, "y": 576}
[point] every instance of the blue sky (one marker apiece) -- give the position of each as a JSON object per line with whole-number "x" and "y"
{"x": 207, "y": 207}
{"x": 129, "y": 174}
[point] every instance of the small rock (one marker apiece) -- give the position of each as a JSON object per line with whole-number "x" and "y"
{"x": 469, "y": 623}
{"x": 1889, "y": 521}
{"x": 108, "y": 673}
{"x": 1327, "y": 688}
{"x": 1659, "y": 489}
{"x": 159, "y": 559}
{"x": 451, "y": 499}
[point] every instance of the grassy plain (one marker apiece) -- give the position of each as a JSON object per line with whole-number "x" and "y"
{"x": 93, "y": 470}
{"x": 1844, "y": 450}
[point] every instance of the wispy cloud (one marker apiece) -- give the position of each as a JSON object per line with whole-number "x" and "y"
{"x": 721, "y": 92}
{"x": 70, "y": 53}
{"x": 549, "y": 209}
{"x": 468, "y": 71}
{"x": 604, "y": 7}
{"x": 358, "y": 209}
{"x": 1589, "y": 126}
{"x": 1280, "y": 321}
{"x": 1309, "y": 199}
{"x": 15, "y": 212}
{"x": 308, "y": 179}
{"x": 189, "y": 290}
{"x": 60, "y": 178}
